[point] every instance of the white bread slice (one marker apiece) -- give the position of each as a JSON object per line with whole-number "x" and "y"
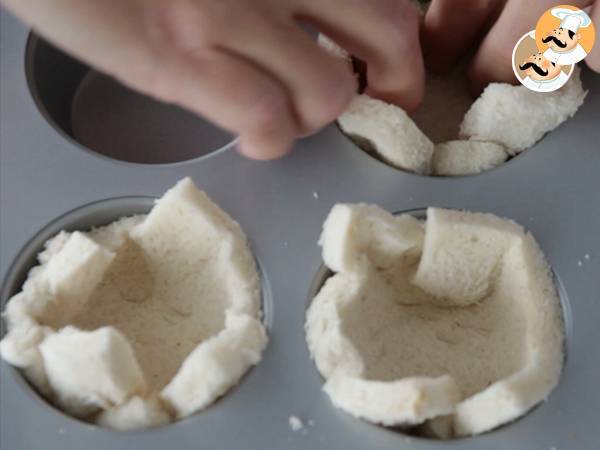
{"x": 461, "y": 253}
{"x": 331, "y": 350}
{"x": 353, "y": 232}
{"x": 137, "y": 412}
{"x": 516, "y": 117}
{"x": 20, "y": 348}
{"x": 361, "y": 331}
{"x": 406, "y": 401}
{"x": 331, "y": 47}
{"x": 466, "y": 157}
{"x": 169, "y": 282}
{"x": 70, "y": 276}
{"x": 389, "y": 132}
{"x": 184, "y": 230}
{"x": 90, "y": 369}
{"x": 216, "y": 364}
{"x": 525, "y": 275}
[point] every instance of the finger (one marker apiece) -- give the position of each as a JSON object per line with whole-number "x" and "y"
{"x": 232, "y": 93}
{"x": 451, "y": 27}
{"x": 319, "y": 84}
{"x": 384, "y": 34}
{"x": 493, "y": 59}
{"x": 593, "y": 58}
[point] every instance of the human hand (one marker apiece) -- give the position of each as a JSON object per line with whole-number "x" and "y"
{"x": 246, "y": 65}
{"x": 451, "y": 27}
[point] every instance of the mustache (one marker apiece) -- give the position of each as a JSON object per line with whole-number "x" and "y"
{"x": 535, "y": 67}
{"x": 556, "y": 41}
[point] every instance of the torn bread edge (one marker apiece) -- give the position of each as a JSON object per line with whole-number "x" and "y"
{"x": 424, "y": 400}
{"x": 389, "y": 133}
{"x": 114, "y": 385}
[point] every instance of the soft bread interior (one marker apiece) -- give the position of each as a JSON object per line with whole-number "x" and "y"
{"x": 469, "y": 311}
{"x": 451, "y": 133}
{"x": 147, "y": 318}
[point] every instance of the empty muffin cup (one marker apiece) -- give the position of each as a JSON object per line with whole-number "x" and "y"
{"x": 110, "y": 119}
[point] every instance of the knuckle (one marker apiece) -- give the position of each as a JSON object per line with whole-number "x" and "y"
{"x": 180, "y": 26}
{"x": 335, "y": 98}
{"x": 268, "y": 112}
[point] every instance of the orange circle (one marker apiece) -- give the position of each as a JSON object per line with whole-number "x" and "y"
{"x": 548, "y": 22}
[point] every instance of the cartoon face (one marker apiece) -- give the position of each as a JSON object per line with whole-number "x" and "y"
{"x": 537, "y": 67}
{"x": 561, "y": 40}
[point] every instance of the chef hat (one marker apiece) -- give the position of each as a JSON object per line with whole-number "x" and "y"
{"x": 571, "y": 20}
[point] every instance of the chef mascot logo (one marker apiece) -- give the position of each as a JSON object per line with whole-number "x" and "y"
{"x": 543, "y": 59}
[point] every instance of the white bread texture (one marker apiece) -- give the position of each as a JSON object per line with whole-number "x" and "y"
{"x": 515, "y": 117}
{"x": 137, "y": 412}
{"x": 451, "y": 135}
{"x": 91, "y": 369}
{"x": 387, "y": 131}
{"x": 457, "y": 333}
{"x": 461, "y": 253}
{"x": 352, "y": 233}
{"x": 115, "y": 324}
{"x": 455, "y": 158}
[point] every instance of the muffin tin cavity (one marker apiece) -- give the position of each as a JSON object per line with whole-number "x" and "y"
{"x": 408, "y": 340}
{"x": 104, "y": 116}
{"x": 149, "y": 322}
{"x": 85, "y": 217}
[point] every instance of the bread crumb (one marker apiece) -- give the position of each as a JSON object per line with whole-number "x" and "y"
{"x": 295, "y": 423}
{"x": 61, "y": 430}
{"x": 311, "y": 423}
{"x": 586, "y": 256}
{"x": 316, "y": 195}
{"x": 579, "y": 263}
{"x": 285, "y": 244}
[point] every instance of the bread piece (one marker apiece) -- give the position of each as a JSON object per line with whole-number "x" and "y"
{"x": 20, "y": 348}
{"x": 406, "y": 401}
{"x": 183, "y": 231}
{"x": 525, "y": 275}
{"x": 394, "y": 354}
{"x": 70, "y": 277}
{"x": 353, "y": 232}
{"x": 466, "y": 157}
{"x": 90, "y": 369}
{"x": 169, "y": 282}
{"x": 461, "y": 253}
{"x": 215, "y": 365}
{"x": 387, "y": 131}
{"x": 136, "y": 413}
{"x": 329, "y": 347}
{"x": 516, "y": 117}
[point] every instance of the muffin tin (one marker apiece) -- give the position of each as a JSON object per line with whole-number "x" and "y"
{"x": 553, "y": 189}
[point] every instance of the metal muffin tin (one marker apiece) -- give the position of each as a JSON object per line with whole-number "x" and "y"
{"x": 552, "y": 189}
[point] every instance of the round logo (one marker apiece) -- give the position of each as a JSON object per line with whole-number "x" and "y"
{"x": 544, "y": 58}
{"x": 565, "y": 34}
{"x": 534, "y": 70}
